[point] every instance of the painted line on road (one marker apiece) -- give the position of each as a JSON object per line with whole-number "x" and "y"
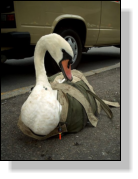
{"x": 24, "y": 90}
{"x": 15, "y": 92}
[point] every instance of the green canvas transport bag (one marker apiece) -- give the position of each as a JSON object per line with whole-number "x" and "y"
{"x": 79, "y": 105}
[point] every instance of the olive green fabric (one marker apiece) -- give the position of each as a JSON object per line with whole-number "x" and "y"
{"x": 77, "y": 117}
{"x": 78, "y": 108}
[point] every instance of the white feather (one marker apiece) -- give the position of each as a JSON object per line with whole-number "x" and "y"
{"x": 41, "y": 111}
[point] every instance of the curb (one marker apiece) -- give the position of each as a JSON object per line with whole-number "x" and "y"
{"x": 100, "y": 70}
{"x": 24, "y": 90}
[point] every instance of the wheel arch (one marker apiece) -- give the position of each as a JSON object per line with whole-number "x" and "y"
{"x": 71, "y": 21}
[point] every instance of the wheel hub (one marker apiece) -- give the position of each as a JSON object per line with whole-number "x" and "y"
{"x": 73, "y": 45}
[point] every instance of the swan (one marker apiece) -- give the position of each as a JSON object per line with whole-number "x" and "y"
{"x": 41, "y": 111}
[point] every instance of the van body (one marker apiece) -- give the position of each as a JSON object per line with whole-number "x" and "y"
{"x": 83, "y": 23}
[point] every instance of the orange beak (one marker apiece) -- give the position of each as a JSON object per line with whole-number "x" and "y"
{"x": 66, "y": 70}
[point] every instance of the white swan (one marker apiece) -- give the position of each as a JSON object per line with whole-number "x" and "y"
{"x": 41, "y": 111}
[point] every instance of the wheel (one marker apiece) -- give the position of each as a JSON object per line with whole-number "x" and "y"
{"x": 74, "y": 40}
{"x": 3, "y": 58}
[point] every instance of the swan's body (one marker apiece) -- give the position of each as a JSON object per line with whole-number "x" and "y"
{"x": 41, "y": 111}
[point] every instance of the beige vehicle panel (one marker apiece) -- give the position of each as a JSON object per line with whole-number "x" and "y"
{"x": 38, "y": 17}
{"x": 110, "y": 23}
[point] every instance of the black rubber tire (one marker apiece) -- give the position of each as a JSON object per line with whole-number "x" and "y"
{"x": 51, "y": 65}
{"x": 118, "y": 46}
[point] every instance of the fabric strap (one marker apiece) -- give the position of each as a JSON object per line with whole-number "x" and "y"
{"x": 104, "y": 106}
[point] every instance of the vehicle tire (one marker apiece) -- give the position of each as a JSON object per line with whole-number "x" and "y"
{"x": 3, "y": 58}
{"x": 118, "y": 46}
{"x": 74, "y": 40}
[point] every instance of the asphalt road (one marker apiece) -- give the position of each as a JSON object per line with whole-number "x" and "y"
{"x": 21, "y": 73}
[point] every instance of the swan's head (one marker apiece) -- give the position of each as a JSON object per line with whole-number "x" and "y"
{"x": 61, "y": 52}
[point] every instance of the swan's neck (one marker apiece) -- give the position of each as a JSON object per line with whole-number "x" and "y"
{"x": 41, "y": 77}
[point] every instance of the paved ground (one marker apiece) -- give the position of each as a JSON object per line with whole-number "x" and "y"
{"x": 100, "y": 143}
